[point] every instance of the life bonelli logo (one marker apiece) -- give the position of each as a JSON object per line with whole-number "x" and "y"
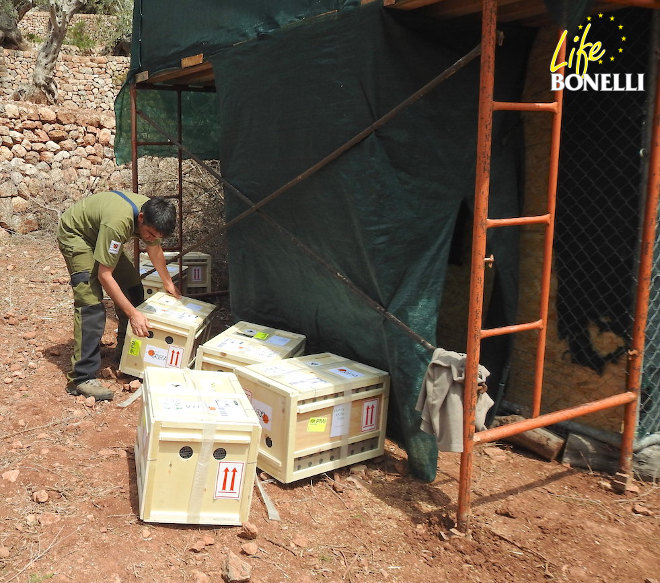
{"x": 587, "y": 53}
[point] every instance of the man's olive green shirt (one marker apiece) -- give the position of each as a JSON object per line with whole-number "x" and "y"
{"x": 103, "y": 222}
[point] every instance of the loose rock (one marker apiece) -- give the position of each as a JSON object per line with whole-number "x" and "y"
{"x": 235, "y": 570}
{"x": 250, "y": 531}
{"x": 250, "y": 549}
{"x": 40, "y": 496}
{"x": 200, "y": 577}
{"x": 11, "y": 475}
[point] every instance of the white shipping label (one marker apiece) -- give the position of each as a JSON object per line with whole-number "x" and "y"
{"x": 341, "y": 416}
{"x": 229, "y": 480}
{"x": 346, "y": 372}
{"x": 228, "y": 409}
{"x": 369, "y": 415}
{"x": 264, "y": 412}
{"x": 274, "y": 370}
{"x": 304, "y": 380}
{"x": 185, "y": 317}
{"x": 115, "y": 247}
{"x": 155, "y": 355}
{"x": 183, "y": 407}
{"x": 230, "y": 344}
{"x": 260, "y": 353}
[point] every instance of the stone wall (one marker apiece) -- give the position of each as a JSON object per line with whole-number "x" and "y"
{"x": 34, "y": 24}
{"x": 50, "y": 157}
{"x": 85, "y": 82}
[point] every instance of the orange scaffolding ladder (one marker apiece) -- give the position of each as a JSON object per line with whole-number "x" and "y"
{"x": 475, "y": 333}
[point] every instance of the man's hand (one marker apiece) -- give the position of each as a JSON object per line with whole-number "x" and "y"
{"x": 171, "y": 289}
{"x": 139, "y": 323}
{"x": 157, "y": 259}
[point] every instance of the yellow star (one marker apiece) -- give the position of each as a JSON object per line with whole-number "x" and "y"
{"x": 620, "y": 26}
{"x": 623, "y": 38}
{"x": 611, "y": 17}
{"x": 600, "y": 62}
{"x": 620, "y": 50}
{"x": 588, "y": 17}
{"x": 580, "y": 27}
{"x": 611, "y": 58}
{"x": 600, "y": 15}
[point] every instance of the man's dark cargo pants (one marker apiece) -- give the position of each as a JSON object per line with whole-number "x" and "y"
{"x": 89, "y": 311}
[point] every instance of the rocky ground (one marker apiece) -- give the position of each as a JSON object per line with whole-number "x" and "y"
{"x": 69, "y": 501}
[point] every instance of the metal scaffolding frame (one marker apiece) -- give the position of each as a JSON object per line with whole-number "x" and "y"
{"x": 487, "y": 106}
{"x": 628, "y": 398}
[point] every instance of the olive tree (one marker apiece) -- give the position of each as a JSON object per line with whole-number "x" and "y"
{"x": 43, "y": 88}
{"x": 11, "y": 13}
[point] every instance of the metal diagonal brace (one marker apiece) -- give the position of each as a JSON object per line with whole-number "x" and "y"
{"x": 318, "y": 258}
{"x": 254, "y": 207}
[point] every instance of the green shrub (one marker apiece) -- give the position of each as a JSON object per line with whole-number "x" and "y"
{"x": 77, "y": 35}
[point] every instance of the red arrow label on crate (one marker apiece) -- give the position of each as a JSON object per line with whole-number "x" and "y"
{"x": 175, "y": 357}
{"x": 369, "y": 414}
{"x": 229, "y": 480}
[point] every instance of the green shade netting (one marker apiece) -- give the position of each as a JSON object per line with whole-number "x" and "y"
{"x": 383, "y": 214}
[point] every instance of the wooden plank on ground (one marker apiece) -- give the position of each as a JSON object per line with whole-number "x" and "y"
{"x": 540, "y": 441}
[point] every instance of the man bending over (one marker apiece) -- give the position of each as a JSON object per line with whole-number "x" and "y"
{"x": 91, "y": 236}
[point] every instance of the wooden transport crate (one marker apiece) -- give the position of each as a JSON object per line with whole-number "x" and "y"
{"x": 247, "y": 343}
{"x": 177, "y": 328}
{"x": 195, "y": 263}
{"x": 153, "y": 284}
{"x": 317, "y": 413}
{"x": 196, "y": 448}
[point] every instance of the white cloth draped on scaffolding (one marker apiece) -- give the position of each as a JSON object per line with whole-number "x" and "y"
{"x": 441, "y": 399}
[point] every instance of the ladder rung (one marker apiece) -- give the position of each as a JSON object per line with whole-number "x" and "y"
{"x": 513, "y": 221}
{"x": 522, "y": 106}
{"x": 503, "y": 431}
{"x": 538, "y": 325}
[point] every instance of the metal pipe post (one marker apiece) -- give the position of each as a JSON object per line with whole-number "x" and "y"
{"x": 553, "y": 173}
{"x": 134, "y": 162}
{"x": 636, "y": 353}
{"x": 482, "y": 187}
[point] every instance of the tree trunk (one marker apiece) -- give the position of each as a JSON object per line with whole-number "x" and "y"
{"x": 10, "y": 16}
{"x": 44, "y": 86}
{"x": 23, "y": 7}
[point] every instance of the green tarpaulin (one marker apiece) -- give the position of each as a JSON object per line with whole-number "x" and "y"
{"x": 294, "y": 82}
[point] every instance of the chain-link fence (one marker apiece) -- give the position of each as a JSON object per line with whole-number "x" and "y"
{"x": 602, "y": 187}
{"x": 649, "y": 406}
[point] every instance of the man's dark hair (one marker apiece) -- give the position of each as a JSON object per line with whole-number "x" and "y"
{"x": 160, "y": 214}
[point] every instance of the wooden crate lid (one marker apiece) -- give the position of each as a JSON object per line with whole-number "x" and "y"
{"x": 254, "y": 343}
{"x": 194, "y": 397}
{"x": 185, "y": 312}
{"x": 195, "y": 256}
{"x": 172, "y": 269}
{"x": 314, "y": 375}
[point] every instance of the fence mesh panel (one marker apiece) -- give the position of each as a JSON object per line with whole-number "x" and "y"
{"x": 601, "y": 196}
